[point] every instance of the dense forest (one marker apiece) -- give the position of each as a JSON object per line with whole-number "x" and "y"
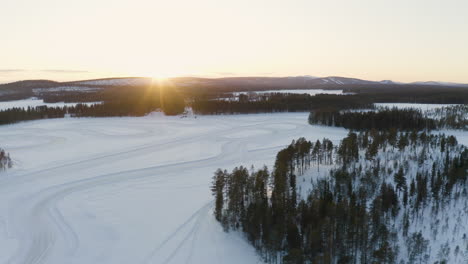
{"x": 401, "y": 119}
{"x": 454, "y": 117}
{"x": 5, "y": 160}
{"x": 143, "y": 97}
{"x": 278, "y": 102}
{"x": 120, "y": 104}
{"x": 281, "y": 102}
{"x": 371, "y": 208}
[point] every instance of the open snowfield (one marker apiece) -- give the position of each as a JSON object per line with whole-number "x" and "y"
{"x": 299, "y": 91}
{"x": 131, "y": 190}
{"x": 423, "y": 107}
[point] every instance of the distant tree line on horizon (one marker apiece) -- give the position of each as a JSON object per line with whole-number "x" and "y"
{"x": 454, "y": 117}
{"x": 278, "y": 102}
{"x": 138, "y": 101}
{"x": 133, "y": 104}
{"x": 400, "y": 119}
{"x": 281, "y": 102}
{"x": 407, "y": 93}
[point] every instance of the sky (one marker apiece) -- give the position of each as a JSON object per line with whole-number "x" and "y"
{"x": 401, "y": 40}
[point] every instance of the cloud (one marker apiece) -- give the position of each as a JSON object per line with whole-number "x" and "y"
{"x": 225, "y": 73}
{"x": 11, "y": 70}
{"x": 63, "y": 71}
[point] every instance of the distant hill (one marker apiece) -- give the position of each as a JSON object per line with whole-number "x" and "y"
{"x": 38, "y": 88}
{"x": 300, "y": 82}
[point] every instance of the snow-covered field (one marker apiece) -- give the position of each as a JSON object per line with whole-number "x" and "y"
{"x": 303, "y": 91}
{"x": 423, "y": 107}
{"x": 33, "y": 102}
{"x": 131, "y": 190}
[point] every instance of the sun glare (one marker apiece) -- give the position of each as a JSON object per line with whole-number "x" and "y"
{"x": 159, "y": 79}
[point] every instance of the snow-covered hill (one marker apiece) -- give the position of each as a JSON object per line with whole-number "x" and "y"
{"x": 442, "y": 84}
{"x": 136, "y": 81}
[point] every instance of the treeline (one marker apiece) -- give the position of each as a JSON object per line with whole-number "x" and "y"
{"x": 5, "y": 160}
{"x": 401, "y": 119}
{"x": 454, "y": 117}
{"x": 278, "y": 102}
{"x": 349, "y": 216}
{"x": 134, "y": 104}
{"x": 14, "y": 115}
{"x": 423, "y": 94}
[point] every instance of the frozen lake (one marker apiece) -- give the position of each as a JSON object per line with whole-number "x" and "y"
{"x": 131, "y": 190}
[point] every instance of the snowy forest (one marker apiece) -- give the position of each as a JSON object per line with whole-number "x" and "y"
{"x": 452, "y": 117}
{"x": 376, "y": 197}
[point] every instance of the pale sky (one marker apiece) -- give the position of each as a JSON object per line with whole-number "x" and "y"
{"x": 401, "y": 40}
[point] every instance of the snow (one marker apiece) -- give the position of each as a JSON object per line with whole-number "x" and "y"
{"x": 300, "y": 91}
{"x": 132, "y": 189}
{"x": 423, "y": 107}
{"x": 65, "y": 89}
{"x": 461, "y": 135}
{"x": 118, "y": 81}
{"x": 336, "y": 81}
{"x": 33, "y": 102}
{"x": 444, "y": 223}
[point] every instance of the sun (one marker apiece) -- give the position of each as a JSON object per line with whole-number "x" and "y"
{"x": 158, "y": 76}
{"x": 158, "y": 79}
{"x": 161, "y": 81}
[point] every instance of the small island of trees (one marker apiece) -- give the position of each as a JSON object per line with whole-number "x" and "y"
{"x": 5, "y": 160}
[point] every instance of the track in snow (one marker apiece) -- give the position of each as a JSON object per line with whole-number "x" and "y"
{"x": 131, "y": 190}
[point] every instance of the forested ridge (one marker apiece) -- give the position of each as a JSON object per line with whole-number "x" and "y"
{"x": 389, "y": 197}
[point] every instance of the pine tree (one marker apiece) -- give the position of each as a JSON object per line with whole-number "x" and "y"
{"x": 217, "y": 189}
{"x": 400, "y": 180}
{"x": 418, "y": 247}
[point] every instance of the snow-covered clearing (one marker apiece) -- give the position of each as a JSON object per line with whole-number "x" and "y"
{"x": 33, "y": 102}
{"x": 300, "y": 91}
{"x": 131, "y": 190}
{"x": 423, "y": 107}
